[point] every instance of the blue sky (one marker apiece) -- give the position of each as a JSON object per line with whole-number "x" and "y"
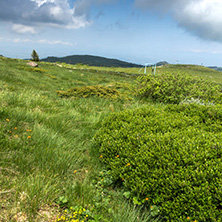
{"x": 139, "y": 31}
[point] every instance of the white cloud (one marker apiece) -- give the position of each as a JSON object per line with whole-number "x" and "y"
{"x": 29, "y": 15}
{"x": 18, "y": 40}
{"x": 202, "y": 18}
{"x": 41, "y": 2}
{"x": 44, "y": 41}
{"x": 22, "y": 29}
{"x": 33, "y": 14}
{"x": 40, "y": 41}
{"x": 205, "y": 51}
{"x": 56, "y": 11}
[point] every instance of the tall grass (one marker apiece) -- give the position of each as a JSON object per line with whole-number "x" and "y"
{"x": 45, "y": 139}
{"x": 45, "y": 142}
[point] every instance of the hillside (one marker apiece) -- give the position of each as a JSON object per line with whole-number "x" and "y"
{"x": 50, "y": 165}
{"x": 91, "y": 60}
{"x": 215, "y": 68}
{"x": 162, "y": 63}
{"x": 45, "y": 140}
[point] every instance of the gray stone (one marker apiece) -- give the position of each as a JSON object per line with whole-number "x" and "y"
{"x": 33, "y": 64}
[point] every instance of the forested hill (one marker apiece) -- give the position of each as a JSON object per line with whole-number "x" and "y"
{"x": 91, "y": 60}
{"x": 215, "y": 68}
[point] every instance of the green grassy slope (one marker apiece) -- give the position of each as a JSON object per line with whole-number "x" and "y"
{"x": 194, "y": 70}
{"x": 45, "y": 140}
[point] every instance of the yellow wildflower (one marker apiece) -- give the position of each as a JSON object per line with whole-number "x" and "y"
{"x": 7, "y": 120}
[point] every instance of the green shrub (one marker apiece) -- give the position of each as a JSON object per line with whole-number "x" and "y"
{"x": 87, "y": 91}
{"x": 34, "y": 56}
{"x": 171, "y": 155}
{"x": 51, "y": 76}
{"x": 118, "y": 85}
{"x": 175, "y": 87}
{"x": 33, "y": 69}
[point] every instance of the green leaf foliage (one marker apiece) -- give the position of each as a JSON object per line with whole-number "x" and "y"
{"x": 175, "y": 87}
{"x": 33, "y": 69}
{"x": 34, "y": 56}
{"x": 88, "y": 91}
{"x": 171, "y": 155}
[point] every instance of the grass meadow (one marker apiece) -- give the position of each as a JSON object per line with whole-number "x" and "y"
{"x": 48, "y": 166}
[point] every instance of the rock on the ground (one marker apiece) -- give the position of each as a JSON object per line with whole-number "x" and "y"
{"x": 33, "y": 64}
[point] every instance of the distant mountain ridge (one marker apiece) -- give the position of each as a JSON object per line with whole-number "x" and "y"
{"x": 215, "y": 68}
{"x": 162, "y": 63}
{"x": 91, "y": 60}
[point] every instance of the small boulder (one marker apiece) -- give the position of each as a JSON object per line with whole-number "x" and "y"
{"x": 33, "y": 64}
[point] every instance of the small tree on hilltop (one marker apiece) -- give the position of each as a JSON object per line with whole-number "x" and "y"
{"x": 35, "y": 56}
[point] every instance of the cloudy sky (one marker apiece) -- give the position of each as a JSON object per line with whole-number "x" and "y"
{"x": 139, "y": 31}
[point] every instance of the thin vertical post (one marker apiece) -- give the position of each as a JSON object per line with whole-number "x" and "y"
{"x": 154, "y": 69}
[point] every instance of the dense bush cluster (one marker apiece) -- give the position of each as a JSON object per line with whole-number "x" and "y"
{"x": 175, "y": 87}
{"x": 87, "y": 91}
{"x": 171, "y": 155}
{"x": 33, "y": 69}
